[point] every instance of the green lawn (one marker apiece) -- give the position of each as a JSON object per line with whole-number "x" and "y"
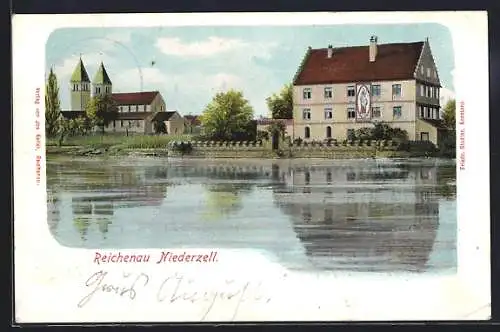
{"x": 108, "y": 140}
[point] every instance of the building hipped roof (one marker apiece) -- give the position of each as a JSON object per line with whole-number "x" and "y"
{"x": 395, "y": 61}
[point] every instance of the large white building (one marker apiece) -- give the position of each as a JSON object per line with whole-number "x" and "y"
{"x": 340, "y": 89}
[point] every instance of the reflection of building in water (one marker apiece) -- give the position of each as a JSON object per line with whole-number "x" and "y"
{"x": 121, "y": 187}
{"x": 53, "y": 211}
{"x": 379, "y": 218}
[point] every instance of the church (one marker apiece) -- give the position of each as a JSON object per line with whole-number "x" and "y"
{"x": 137, "y": 111}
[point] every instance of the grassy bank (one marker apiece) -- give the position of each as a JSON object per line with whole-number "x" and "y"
{"x": 118, "y": 141}
{"x": 159, "y": 145}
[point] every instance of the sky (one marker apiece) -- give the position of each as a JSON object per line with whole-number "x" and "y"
{"x": 188, "y": 65}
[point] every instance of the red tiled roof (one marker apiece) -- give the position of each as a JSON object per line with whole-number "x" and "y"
{"x": 351, "y": 64}
{"x": 193, "y": 119}
{"x": 134, "y": 98}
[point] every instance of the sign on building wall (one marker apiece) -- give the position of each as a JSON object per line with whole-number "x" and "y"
{"x": 363, "y": 102}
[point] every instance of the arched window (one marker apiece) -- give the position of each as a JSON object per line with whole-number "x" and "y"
{"x": 307, "y": 133}
{"x": 328, "y": 132}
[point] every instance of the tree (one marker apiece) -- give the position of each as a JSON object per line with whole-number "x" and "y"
{"x": 281, "y": 105}
{"x": 77, "y": 126}
{"x": 52, "y": 105}
{"x": 101, "y": 110}
{"x": 63, "y": 129}
{"x": 277, "y": 129}
{"x": 449, "y": 114}
{"x": 227, "y": 114}
{"x": 159, "y": 127}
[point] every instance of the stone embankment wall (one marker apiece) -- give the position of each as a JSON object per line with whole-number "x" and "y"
{"x": 263, "y": 149}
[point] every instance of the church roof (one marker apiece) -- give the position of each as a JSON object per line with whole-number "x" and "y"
{"x": 134, "y": 98}
{"x": 80, "y": 73}
{"x": 101, "y": 77}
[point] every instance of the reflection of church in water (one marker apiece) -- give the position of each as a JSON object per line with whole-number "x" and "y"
{"x": 101, "y": 192}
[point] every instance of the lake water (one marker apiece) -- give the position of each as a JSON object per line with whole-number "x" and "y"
{"x": 357, "y": 215}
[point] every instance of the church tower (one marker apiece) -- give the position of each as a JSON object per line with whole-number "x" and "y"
{"x": 101, "y": 85}
{"x": 79, "y": 87}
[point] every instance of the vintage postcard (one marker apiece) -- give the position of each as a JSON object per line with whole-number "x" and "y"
{"x": 251, "y": 167}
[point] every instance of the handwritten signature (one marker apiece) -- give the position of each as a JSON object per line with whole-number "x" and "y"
{"x": 97, "y": 284}
{"x": 177, "y": 289}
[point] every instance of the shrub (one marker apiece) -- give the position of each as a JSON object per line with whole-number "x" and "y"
{"x": 297, "y": 141}
{"x": 182, "y": 147}
{"x": 262, "y": 135}
{"x": 418, "y": 147}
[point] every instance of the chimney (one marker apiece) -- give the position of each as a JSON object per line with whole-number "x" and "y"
{"x": 373, "y": 48}
{"x": 329, "y": 52}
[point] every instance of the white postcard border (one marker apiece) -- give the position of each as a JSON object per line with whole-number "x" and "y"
{"x": 49, "y": 278}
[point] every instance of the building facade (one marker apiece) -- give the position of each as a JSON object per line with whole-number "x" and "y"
{"x": 137, "y": 111}
{"x": 339, "y": 90}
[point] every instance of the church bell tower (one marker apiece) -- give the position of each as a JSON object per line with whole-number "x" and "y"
{"x": 79, "y": 87}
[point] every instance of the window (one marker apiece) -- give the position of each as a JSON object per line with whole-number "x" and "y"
{"x": 137, "y": 123}
{"x": 351, "y": 92}
{"x": 422, "y": 88}
{"x": 428, "y": 92}
{"x": 422, "y": 70}
{"x": 114, "y": 124}
{"x": 396, "y": 111}
{"x": 98, "y": 90}
{"x": 421, "y": 108}
{"x": 428, "y": 112}
{"x": 307, "y": 132}
{"x": 121, "y": 123}
{"x": 435, "y": 73}
{"x": 328, "y": 93}
{"x": 376, "y": 90}
{"x": 129, "y": 123}
{"x": 376, "y": 112}
{"x": 328, "y": 132}
{"x": 428, "y": 72}
{"x": 424, "y": 136}
{"x": 161, "y": 107}
{"x": 129, "y": 108}
{"x": 137, "y": 108}
{"x": 328, "y": 113}
{"x": 145, "y": 108}
{"x": 306, "y": 93}
{"x": 306, "y": 114}
{"x": 350, "y": 134}
{"x": 328, "y": 177}
{"x": 351, "y": 113}
{"x": 396, "y": 90}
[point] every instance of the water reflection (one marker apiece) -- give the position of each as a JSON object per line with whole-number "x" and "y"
{"x": 360, "y": 215}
